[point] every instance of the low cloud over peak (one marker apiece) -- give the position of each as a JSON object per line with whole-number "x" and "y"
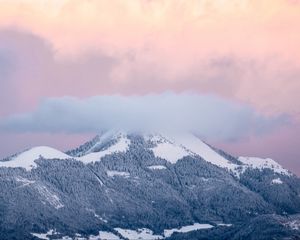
{"x": 209, "y": 116}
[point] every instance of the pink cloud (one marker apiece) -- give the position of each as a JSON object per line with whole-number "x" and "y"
{"x": 244, "y": 50}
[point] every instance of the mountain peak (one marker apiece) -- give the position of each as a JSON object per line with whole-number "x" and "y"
{"x": 166, "y": 146}
{"x": 27, "y": 158}
{"x": 98, "y": 143}
{"x": 98, "y": 186}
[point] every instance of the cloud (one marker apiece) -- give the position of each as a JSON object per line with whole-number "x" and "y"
{"x": 243, "y": 50}
{"x": 29, "y": 71}
{"x": 207, "y": 115}
{"x": 6, "y": 67}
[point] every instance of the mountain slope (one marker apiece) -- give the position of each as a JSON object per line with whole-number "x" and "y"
{"x": 144, "y": 185}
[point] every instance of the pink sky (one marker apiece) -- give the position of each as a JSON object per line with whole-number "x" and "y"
{"x": 243, "y": 50}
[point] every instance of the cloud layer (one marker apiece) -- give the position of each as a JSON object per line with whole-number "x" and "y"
{"x": 209, "y": 116}
{"x": 243, "y": 50}
{"x": 30, "y": 71}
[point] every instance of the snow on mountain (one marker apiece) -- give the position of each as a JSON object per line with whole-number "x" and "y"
{"x": 100, "y": 143}
{"x": 121, "y": 145}
{"x": 49, "y": 196}
{"x": 166, "y": 146}
{"x": 295, "y": 225}
{"x": 167, "y": 149}
{"x": 104, "y": 235}
{"x": 200, "y": 148}
{"x": 172, "y": 197}
{"x": 27, "y": 159}
{"x": 44, "y": 235}
{"x": 174, "y": 147}
{"x": 143, "y": 234}
{"x": 261, "y": 163}
{"x": 277, "y": 181}
{"x": 24, "y": 181}
{"x": 157, "y": 167}
{"x": 118, "y": 173}
{"x": 185, "y": 229}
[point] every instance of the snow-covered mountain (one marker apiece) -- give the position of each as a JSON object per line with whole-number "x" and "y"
{"x": 168, "y": 147}
{"x": 145, "y": 186}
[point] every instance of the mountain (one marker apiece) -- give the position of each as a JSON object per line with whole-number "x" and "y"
{"x": 146, "y": 186}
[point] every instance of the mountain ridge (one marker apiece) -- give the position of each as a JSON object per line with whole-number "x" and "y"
{"x": 147, "y": 186}
{"x": 176, "y": 145}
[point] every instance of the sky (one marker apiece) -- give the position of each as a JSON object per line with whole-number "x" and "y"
{"x": 226, "y": 69}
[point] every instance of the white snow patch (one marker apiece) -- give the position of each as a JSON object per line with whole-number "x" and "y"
{"x": 100, "y": 181}
{"x": 106, "y": 137}
{"x": 169, "y": 151}
{"x": 143, "y": 234}
{"x": 118, "y": 173}
{"x": 198, "y": 147}
{"x": 205, "y": 179}
{"x": 157, "y": 167}
{"x": 25, "y": 181}
{"x": 100, "y": 218}
{"x": 44, "y": 235}
{"x": 41, "y": 235}
{"x": 261, "y": 163}
{"x": 185, "y": 229}
{"x": 174, "y": 147}
{"x": 96, "y": 215}
{"x": 49, "y": 196}
{"x": 103, "y": 235}
{"x": 295, "y": 225}
{"x": 277, "y": 181}
{"x": 27, "y": 159}
{"x": 122, "y": 145}
{"x": 225, "y": 224}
